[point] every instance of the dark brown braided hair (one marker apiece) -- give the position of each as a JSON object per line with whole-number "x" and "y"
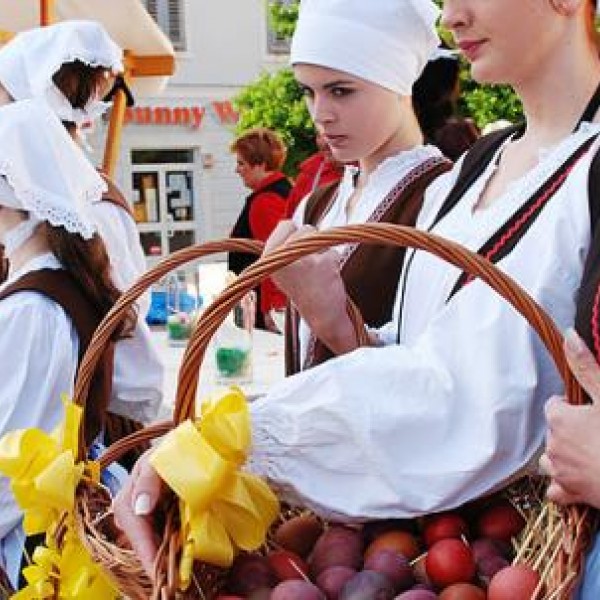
{"x": 88, "y": 263}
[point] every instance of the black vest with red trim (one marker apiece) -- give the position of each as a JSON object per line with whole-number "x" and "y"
{"x": 510, "y": 232}
{"x": 587, "y": 320}
{"x": 238, "y": 261}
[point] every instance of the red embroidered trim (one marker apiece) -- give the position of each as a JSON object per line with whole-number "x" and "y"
{"x": 527, "y": 215}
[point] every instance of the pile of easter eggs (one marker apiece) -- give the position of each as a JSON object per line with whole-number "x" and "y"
{"x": 447, "y": 556}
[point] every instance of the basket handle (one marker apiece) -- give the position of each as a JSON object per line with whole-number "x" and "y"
{"x": 374, "y": 233}
{"x": 147, "y": 434}
{"x": 103, "y": 333}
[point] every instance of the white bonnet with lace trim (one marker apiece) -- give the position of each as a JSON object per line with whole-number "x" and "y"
{"x": 29, "y": 61}
{"x": 43, "y": 171}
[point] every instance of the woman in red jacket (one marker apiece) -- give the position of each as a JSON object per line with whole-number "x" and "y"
{"x": 260, "y": 156}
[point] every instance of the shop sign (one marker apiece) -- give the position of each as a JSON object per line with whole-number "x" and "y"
{"x": 185, "y": 116}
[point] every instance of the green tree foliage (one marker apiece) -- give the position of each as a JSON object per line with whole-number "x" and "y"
{"x": 283, "y": 17}
{"x": 489, "y": 103}
{"x": 275, "y": 101}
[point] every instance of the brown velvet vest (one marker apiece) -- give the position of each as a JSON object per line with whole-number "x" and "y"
{"x": 60, "y": 287}
{"x": 370, "y": 272}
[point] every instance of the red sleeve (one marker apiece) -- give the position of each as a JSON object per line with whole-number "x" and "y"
{"x": 297, "y": 194}
{"x": 266, "y": 211}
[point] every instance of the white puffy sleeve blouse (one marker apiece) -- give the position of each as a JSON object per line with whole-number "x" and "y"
{"x": 38, "y": 361}
{"x": 456, "y": 407}
{"x": 138, "y": 370}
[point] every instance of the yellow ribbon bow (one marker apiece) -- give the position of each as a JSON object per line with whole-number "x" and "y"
{"x": 43, "y": 470}
{"x": 68, "y": 574}
{"x": 222, "y": 508}
{"x": 44, "y": 475}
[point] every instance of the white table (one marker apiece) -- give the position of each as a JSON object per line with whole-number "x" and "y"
{"x": 268, "y": 367}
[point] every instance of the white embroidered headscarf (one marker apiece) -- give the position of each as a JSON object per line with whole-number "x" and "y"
{"x": 29, "y": 61}
{"x": 387, "y": 42}
{"x": 43, "y": 172}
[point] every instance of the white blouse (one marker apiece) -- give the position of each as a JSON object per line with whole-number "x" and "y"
{"x": 379, "y": 184}
{"x": 456, "y": 408}
{"x": 138, "y": 370}
{"x": 39, "y": 350}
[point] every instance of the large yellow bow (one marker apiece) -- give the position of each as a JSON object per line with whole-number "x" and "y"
{"x": 67, "y": 573}
{"x": 43, "y": 470}
{"x": 222, "y": 508}
{"x": 44, "y": 475}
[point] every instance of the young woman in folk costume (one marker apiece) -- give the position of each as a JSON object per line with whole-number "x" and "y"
{"x": 452, "y": 406}
{"x": 46, "y": 226}
{"x": 72, "y": 65}
{"x": 362, "y": 108}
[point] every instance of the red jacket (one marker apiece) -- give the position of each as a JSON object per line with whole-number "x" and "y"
{"x": 316, "y": 171}
{"x": 266, "y": 210}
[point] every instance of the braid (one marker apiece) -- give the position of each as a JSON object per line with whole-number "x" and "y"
{"x": 87, "y": 261}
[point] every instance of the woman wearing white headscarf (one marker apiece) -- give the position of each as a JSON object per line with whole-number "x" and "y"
{"x": 71, "y": 65}
{"x": 362, "y": 108}
{"x": 58, "y": 288}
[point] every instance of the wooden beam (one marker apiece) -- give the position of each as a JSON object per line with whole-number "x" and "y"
{"x": 150, "y": 65}
{"x": 6, "y": 36}
{"x": 47, "y": 15}
{"x": 115, "y": 126}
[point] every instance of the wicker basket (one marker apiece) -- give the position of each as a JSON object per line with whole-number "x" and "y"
{"x": 575, "y": 525}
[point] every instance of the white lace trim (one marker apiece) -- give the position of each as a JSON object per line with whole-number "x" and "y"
{"x": 91, "y": 59}
{"x": 48, "y": 207}
{"x": 59, "y": 102}
{"x": 61, "y": 106}
{"x": 404, "y": 161}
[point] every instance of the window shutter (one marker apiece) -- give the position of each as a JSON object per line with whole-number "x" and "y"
{"x": 168, "y": 14}
{"x": 176, "y": 28}
{"x": 152, "y": 8}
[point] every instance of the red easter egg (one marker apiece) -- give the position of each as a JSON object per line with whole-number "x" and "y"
{"x": 450, "y": 561}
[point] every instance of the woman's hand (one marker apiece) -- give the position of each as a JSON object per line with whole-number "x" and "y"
{"x": 572, "y": 457}
{"x": 315, "y": 287}
{"x": 134, "y": 507}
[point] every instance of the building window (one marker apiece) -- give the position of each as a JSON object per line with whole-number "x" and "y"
{"x": 277, "y": 43}
{"x": 169, "y": 15}
{"x": 165, "y": 200}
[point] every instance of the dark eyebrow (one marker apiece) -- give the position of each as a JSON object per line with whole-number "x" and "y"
{"x": 331, "y": 84}
{"x": 339, "y": 82}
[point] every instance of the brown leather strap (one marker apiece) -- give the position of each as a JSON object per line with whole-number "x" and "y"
{"x": 319, "y": 202}
{"x": 4, "y": 265}
{"x": 60, "y": 287}
{"x": 114, "y": 195}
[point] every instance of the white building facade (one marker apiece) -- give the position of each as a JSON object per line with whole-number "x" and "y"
{"x": 175, "y": 166}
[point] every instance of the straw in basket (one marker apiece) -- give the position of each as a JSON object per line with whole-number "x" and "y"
{"x": 561, "y": 562}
